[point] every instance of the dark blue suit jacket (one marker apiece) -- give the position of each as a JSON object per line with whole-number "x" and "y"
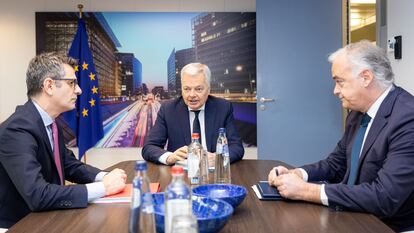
{"x": 173, "y": 124}
{"x": 385, "y": 183}
{"x": 29, "y": 180}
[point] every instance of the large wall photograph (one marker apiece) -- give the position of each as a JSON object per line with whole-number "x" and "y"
{"x": 138, "y": 59}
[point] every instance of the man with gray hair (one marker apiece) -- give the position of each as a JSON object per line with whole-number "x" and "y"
{"x": 371, "y": 169}
{"x": 34, "y": 161}
{"x": 196, "y": 111}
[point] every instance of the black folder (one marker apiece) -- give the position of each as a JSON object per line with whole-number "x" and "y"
{"x": 268, "y": 192}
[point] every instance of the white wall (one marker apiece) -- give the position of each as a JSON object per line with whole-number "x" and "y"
{"x": 400, "y": 14}
{"x": 17, "y": 32}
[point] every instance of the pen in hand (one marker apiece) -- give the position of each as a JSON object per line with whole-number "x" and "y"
{"x": 277, "y": 173}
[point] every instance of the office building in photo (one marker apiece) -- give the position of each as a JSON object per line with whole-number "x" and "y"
{"x": 131, "y": 74}
{"x": 182, "y": 58}
{"x": 55, "y": 32}
{"x": 226, "y": 42}
{"x": 171, "y": 74}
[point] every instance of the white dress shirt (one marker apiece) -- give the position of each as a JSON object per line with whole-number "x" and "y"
{"x": 191, "y": 115}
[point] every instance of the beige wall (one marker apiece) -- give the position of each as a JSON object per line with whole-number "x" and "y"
{"x": 17, "y": 32}
{"x": 401, "y": 23}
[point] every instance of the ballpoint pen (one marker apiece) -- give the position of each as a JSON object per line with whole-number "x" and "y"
{"x": 277, "y": 173}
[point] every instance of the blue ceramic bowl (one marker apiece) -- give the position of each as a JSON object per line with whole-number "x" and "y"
{"x": 230, "y": 193}
{"x": 211, "y": 214}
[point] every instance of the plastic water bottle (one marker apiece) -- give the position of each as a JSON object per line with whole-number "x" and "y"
{"x": 177, "y": 198}
{"x": 222, "y": 174}
{"x": 193, "y": 159}
{"x": 141, "y": 218}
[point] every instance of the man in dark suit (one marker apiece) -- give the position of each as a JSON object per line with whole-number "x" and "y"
{"x": 176, "y": 120}
{"x": 371, "y": 169}
{"x": 34, "y": 161}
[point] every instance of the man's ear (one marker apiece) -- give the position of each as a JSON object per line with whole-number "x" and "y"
{"x": 48, "y": 86}
{"x": 368, "y": 77}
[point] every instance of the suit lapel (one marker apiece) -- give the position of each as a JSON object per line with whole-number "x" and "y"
{"x": 209, "y": 119}
{"x": 380, "y": 121}
{"x": 42, "y": 129}
{"x": 44, "y": 136}
{"x": 184, "y": 121}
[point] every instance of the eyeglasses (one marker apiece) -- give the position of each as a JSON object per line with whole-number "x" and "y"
{"x": 71, "y": 82}
{"x": 198, "y": 90}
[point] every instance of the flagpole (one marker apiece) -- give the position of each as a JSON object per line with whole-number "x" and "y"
{"x": 84, "y": 158}
{"x": 80, "y": 7}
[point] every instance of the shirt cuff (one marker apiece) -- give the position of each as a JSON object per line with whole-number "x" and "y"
{"x": 324, "y": 198}
{"x": 95, "y": 190}
{"x": 304, "y": 174}
{"x": 163, "y": 158}
{"x": 99, "y": 176}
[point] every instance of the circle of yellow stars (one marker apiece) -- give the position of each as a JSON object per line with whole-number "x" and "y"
{"x": 94, "y": 89}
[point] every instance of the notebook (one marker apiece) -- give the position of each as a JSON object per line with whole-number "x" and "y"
{"x": 268, "y": 192}
{"x": 125, "y": 195}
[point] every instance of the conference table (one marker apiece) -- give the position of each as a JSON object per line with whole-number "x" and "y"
{"x": 253, "y": 215}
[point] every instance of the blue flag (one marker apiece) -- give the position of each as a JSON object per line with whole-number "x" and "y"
{"x": 85, "y": 121}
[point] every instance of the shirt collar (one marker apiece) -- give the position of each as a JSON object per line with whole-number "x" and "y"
{"x": 372, "y": 111}
{"x": 47, "y": 120}
{"x": 200, "y": 109}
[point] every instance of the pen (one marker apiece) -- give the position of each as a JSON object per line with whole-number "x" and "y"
{"x": 277, "y": 173}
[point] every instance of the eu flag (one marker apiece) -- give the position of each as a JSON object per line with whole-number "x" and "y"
{"x": 85, "y": 121}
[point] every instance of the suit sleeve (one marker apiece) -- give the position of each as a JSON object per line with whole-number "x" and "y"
{"x": 76, "y": 171}
{"x": 19, "y": 156}
{"x": 236, "y": 149}
{"x": 157, "y": 138}
{"x": 334, "y": 167}
{"x": 393, "y": 186}
{"x": 331, "y": 169}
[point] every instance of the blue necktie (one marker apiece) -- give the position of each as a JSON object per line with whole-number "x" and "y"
{"x": 356, "y": 149}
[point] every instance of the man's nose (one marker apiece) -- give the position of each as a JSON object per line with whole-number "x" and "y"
{"x": 193, "y": 92}
{"x": 78, "y": 90}
{"x": 336, "y": 90}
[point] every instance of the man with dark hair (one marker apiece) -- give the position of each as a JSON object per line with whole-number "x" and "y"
{"x": 371, "y": 169}
{"x": 34, "y": 161}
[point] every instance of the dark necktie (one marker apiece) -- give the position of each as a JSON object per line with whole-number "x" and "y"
{"x": 196, "y": 123}
{"x": 356, "y": 149}
{"x": 56, "y": 155}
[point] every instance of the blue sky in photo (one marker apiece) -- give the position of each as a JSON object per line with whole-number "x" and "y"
{"x": 152, "y": 37}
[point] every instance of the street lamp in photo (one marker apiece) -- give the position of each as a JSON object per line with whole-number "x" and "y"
{"x": 252, "y": 83}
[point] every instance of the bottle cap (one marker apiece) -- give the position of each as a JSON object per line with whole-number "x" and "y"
{"x": 195, "y": 136}
{"x": 222, "y": 130}
{"x": 176, "y": 170}
{"x": 141, "y": 166}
